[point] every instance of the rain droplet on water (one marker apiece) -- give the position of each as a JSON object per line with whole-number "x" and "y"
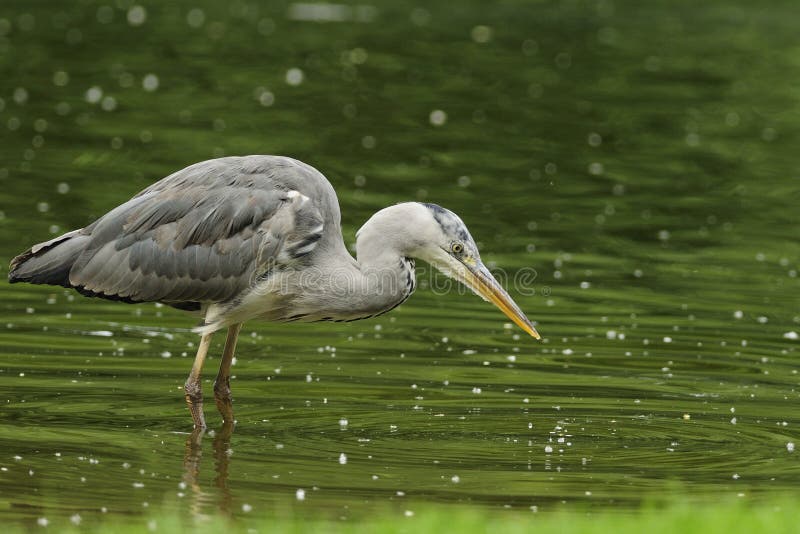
{"x": 265, "y": 98}
{"x": 150, "y": 82}
{"x": 137, "y": 15}
{"x": 438, "y": 117}
{"x": 481, "y": 34}
{"x": 596, "y": 168}
{"x": 20, "y": 95}
{"x": 294, "y": 76}
{"x": 108, "y": 103}
{"x": 94, "y": 94}
{"x": 195, "y": 18}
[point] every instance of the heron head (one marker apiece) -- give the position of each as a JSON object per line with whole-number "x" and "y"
{"x": 439, "y": 237}
{"x": 448, "y": 246}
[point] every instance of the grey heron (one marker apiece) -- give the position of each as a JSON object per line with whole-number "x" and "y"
{"x": 256, "y": 237}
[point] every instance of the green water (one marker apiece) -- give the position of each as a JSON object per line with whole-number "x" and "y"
{"x": 640, "y": 157}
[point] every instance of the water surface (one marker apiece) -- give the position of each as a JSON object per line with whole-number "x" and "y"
{"x": 639, "y": 158}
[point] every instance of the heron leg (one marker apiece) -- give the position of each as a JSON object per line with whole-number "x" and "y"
{"x": 222, "y": 384}
{"x": 193, "y": 388}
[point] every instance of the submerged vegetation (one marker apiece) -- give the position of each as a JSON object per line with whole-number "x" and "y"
{"x": 778, "y": 517}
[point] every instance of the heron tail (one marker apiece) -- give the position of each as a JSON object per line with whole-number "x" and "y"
{"x": 49, "y": 262}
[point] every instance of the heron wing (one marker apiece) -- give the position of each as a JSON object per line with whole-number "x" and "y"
{"x": 203, "y": 234}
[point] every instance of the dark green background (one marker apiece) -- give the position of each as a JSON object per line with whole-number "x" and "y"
{"x": 641, "y": 157}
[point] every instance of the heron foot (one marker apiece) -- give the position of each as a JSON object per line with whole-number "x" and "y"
{"x": 224, "y": 400}
{"x": 194, "y": 399}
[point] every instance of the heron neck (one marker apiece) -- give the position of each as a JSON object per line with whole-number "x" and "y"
{"x": 385, "y": 277}
{"x": 388, "y": 275}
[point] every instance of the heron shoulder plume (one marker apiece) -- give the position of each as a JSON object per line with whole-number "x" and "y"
{"x": 256, "y": 237}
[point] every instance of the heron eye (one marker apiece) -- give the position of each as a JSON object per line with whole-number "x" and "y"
{"x": 457, "y": 248}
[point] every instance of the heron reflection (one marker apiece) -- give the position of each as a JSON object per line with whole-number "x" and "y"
{"x": 201, "y": 500}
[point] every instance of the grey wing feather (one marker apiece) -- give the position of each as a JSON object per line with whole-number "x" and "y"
{"x": 203, "y": 234}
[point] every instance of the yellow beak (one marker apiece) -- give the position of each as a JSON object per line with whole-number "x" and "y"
{"x": 480, "y": 280}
